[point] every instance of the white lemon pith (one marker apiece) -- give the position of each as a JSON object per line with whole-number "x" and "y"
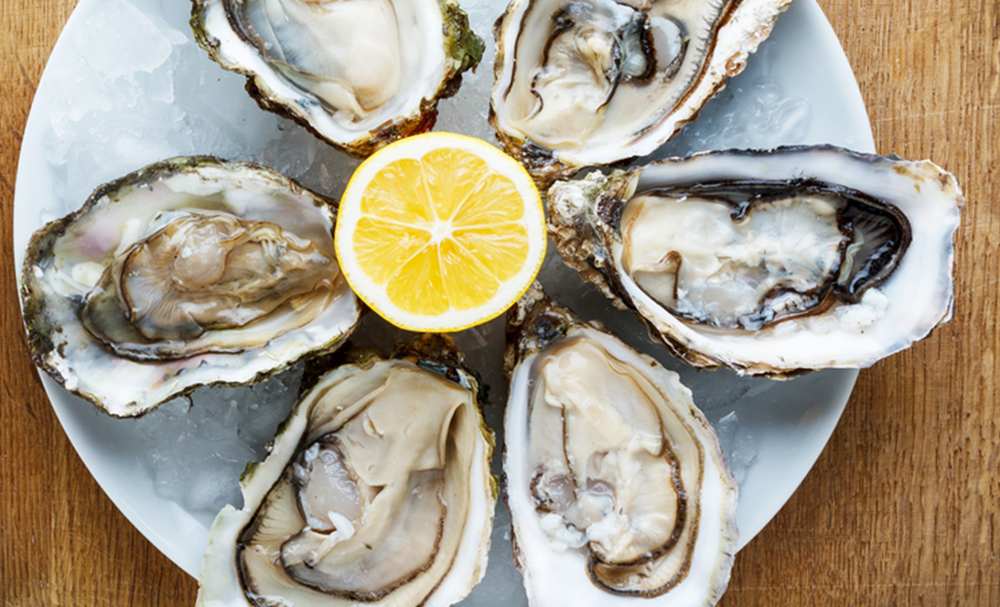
{"x": 440, "y": 232}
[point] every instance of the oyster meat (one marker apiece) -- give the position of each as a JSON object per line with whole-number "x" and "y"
{"x": 376, "y": 491}
{"x": 358, "y": 73}
{"x": 616, "y": 482}
{"x": 189, "y": 272}
{"x": 593, "y": 82}
{"x": 770, "y": 263}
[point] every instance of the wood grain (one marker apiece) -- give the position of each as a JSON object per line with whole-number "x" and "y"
{"x": 901, "y": 509}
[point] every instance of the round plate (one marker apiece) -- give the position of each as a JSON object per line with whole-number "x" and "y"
{"x": 126, "y": 86}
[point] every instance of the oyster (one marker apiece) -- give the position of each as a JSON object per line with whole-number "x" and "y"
{"x": 616, "y": 482}
{"x": 358, "y": 73}
{"x": 189, "y": 272}
{"x": 770, "y": 263}
{"x": 594, "y": 82}
{"x": 377, "y": 490}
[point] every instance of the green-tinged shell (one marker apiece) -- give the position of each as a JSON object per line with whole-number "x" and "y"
{"x": 463, "y": 50}
{"x": 53, "y": 293}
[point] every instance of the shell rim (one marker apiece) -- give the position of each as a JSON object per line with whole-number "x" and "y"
{"x": 32, "y": 301}
{"x": 616, "y": 292}
{"x": 463, "y": 51}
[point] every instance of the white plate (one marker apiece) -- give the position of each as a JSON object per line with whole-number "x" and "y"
{"x": 126, "y": 86}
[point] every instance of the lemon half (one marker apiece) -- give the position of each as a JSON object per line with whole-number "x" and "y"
{"x": 440, "y": 232}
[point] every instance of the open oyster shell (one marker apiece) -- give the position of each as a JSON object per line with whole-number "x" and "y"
{"x": 376, "y": 490}
{"x": 594, "y": 82}
{"x": 617, "y": 487}
{"x": 358, "y": 73}
{"x": 189, "y": 272}
{"x": 769, "y": 262}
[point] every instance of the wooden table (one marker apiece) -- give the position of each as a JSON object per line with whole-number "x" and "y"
{"x": 902, "y": 508}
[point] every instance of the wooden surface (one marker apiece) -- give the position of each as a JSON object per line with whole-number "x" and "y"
{"x": 902, "y": 507}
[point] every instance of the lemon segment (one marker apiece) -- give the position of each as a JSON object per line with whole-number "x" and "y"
{"x": 440, "y": 232}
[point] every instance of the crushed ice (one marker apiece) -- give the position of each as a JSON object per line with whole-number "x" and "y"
{"x": 169, "y": 99}
{"x": 196, "y": 448}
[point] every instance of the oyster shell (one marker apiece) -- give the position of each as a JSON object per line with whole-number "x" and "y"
{"x": 189, "y": 272}
{"x": 617, "y": 485}
{"x": 376, "y": 490}
{"x": 770, "y": 263}
{"x": 593, "y": 82}
{"x": 358, "y": 73}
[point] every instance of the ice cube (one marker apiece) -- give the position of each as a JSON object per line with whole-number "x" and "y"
{"x": 125, "y": 30}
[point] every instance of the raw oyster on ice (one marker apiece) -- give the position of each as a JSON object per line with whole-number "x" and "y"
{"x": 770, "y": 263}
{"x": 358, "y": 73}
{"x": 189, "y": 272}
{"x": 617, "y": 486}
{"x": 376, "y": 490}
{"x": 594, "y": 82}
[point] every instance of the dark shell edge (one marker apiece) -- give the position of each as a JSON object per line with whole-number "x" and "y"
{"x": 462, "y": 45}
{"x": 38, "y": 329}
